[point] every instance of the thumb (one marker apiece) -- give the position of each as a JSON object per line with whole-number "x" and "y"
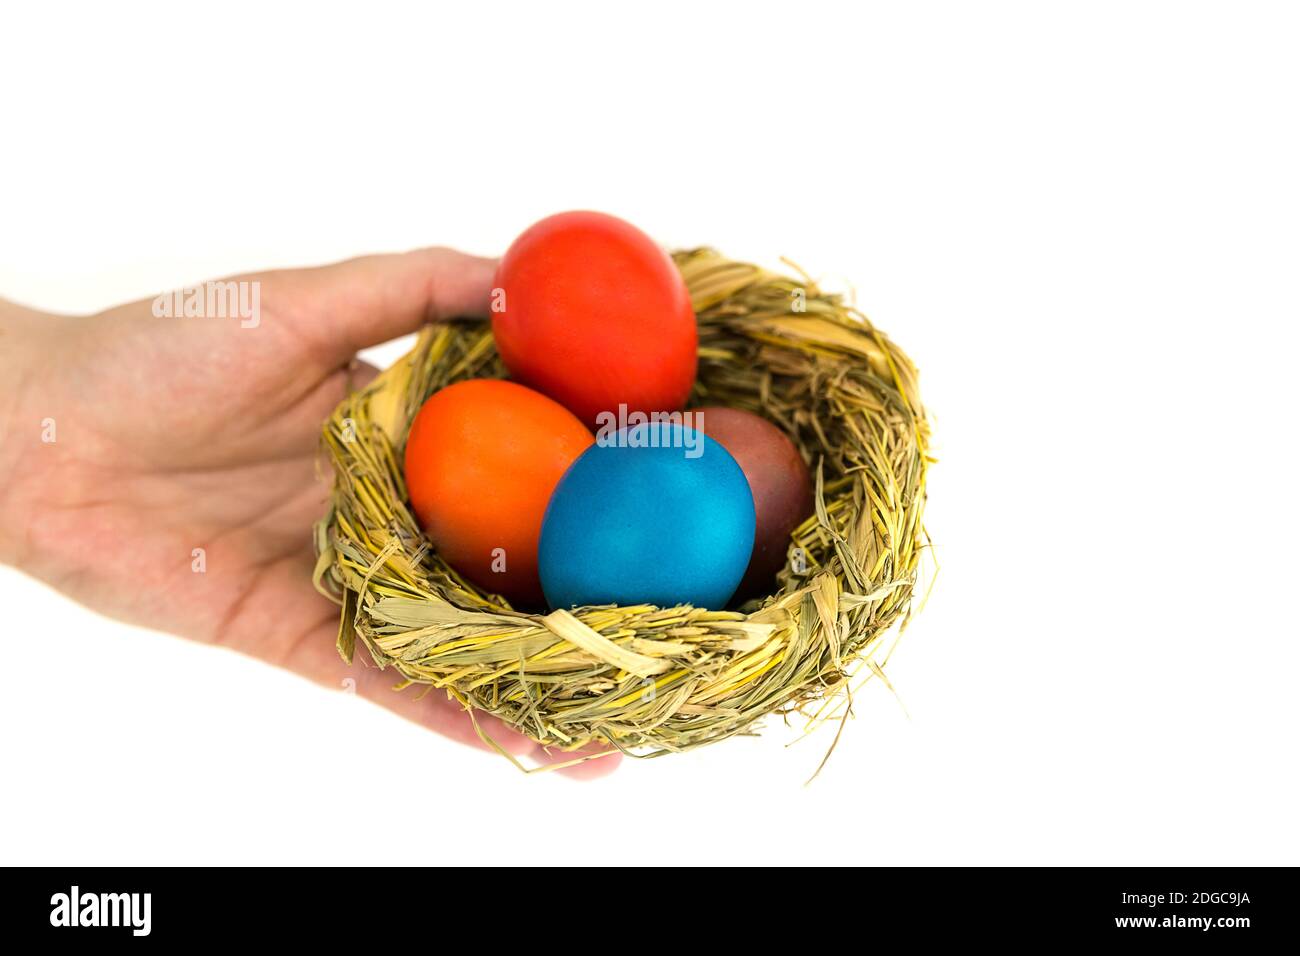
{"x": 362, "y": 302}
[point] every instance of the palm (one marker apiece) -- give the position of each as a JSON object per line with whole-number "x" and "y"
{"x": 192, "y": 512}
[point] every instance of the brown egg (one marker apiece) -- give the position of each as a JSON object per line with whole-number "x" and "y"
{"x": 779, "y": 481}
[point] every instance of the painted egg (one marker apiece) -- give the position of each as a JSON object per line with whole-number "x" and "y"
{"x": 482, "y": 460}
{"x": 654, "y": 514}
{"x": 778, "y": 479}
{"x": 589, "y": 311}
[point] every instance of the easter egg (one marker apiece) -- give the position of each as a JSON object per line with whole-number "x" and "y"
{"x": 778, "y": 479}
{"x": 482, "y": 460}
{"x": 589, "y": 311}
{"x": 656, "y": 514}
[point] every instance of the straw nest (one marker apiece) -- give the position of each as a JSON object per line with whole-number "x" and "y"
{"x": 651, "y": 680}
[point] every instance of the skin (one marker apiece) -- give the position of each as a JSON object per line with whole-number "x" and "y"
{"x": 181, "y": 433}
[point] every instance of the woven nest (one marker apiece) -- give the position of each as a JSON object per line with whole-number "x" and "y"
{"x": 653, "y": 680}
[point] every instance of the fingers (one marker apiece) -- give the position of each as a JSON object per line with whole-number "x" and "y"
{"x": 318, "y": 660}
{"x": 362, "y": 302}
{"x": 601, "y": 764}
{"x": 360, "y": 374}
{"x": 435, "y": 710}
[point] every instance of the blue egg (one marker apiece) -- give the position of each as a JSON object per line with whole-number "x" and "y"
{"x": 653, "y": 514}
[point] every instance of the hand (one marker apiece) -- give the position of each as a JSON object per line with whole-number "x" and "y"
{"x": 137, "y": 445}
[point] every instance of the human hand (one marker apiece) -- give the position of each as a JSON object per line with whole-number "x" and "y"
{"x": 163, "y": 470}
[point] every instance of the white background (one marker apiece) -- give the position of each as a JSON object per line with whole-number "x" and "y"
{"x": 1080, "y": 219}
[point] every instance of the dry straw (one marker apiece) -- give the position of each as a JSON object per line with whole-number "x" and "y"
{"x": 653, "y": 680}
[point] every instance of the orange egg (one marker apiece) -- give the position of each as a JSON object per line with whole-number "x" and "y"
{"x": 482, "y": 459}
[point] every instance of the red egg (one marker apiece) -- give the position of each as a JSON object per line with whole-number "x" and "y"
{"x": 779, "y": 481}
{"x": 593, "y": 314}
